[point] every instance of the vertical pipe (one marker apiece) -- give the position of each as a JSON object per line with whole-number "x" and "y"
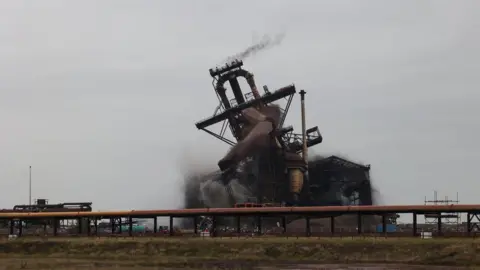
{"x": 304, "y": 129}
{"x": 253, "y": 86}
{"x": 20, "y": 227}
{"x": 213, "y": 232}
{"x": 414, "y": 224}
{"x": 221, "y": 91}
{"x": 259, "y": 224}
{"x": 237, "y": 91}
{"x": 195, "y": 228}
{"x": 384, "y": 224}
{"x": 171, "y": 226}
{"x": 112, "y": 225}
{"x": 30, "y": 187}
{"x": 439, "y": 223}
{"x": 155, "y": 225}
{"x": 79, "y": 224}
{"x": 223, "y": 97}
{"x": 305, "y": 148}
{"x": 89, "y": 227}
{"x": 469, "y": 223}
{"x": 307, "y": 229}
{"x": 239, "y": 227}
{"x": 12, "y": 226}
{"x": 359, "y": 223}
{"x": 130, "y": 226}
{"x": 332, "y": 225}
{"x": 96, "y": 226}
{"x": 55, "y": 226}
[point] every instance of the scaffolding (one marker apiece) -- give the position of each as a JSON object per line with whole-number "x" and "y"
{"x": 451, "y": 221}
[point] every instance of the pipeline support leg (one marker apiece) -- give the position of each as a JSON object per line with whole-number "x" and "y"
{"x": 195, "y": 228}
{"x": 384, "y": 224}
{"x": 171, "y": 226}
{"x": 80, "y": 221}
{"x": 130, "y": 226}
{"x": 238, "y": 225}
{"x": 439, "y": 224}
{"x": 259, "y": 225}
{"x": 12, "y": 226}
{"x": 359, "y": 223}
{"x": 414, "y": 224}
{"x": 112, "y": 224}
{"x": 155, "y": 225}
{"x": 307, "y": 224}
{"x": 55, "y": 226}
{"x": 332, "y": 225}
{"x": 20, "y": 228}
{"x": 89, "y": 227}
{"x": 214, "y": 226}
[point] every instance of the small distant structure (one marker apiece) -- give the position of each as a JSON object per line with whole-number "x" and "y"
{"x": 42, "y": 205}
{"x": 451, "y": 220}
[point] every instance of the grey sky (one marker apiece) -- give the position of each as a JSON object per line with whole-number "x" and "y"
{"x": 100, "y": 97}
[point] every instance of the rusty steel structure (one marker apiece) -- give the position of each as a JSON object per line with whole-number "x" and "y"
{"x": 276, "y": 168}
{"x": 267, "y": 157}
{"x": 88, "y": 221}
{"x": 42, "y": 205}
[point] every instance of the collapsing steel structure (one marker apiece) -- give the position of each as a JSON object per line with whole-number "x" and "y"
{"x": 268, "y": 157}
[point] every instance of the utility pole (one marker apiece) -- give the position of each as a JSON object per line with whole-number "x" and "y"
{"x": 305, "y": 146}
{"x": 30, "y": 188}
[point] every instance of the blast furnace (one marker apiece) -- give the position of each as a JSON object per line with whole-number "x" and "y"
{"x": 267, "y": 159}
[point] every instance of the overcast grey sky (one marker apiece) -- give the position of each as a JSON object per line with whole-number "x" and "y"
{"x": 100, "y": 97}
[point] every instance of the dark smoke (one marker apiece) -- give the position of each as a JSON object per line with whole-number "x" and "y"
{"x": 205, "y": 189}
{"x": 266, "y": 42}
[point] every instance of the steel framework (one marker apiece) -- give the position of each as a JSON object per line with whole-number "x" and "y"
{"x": 449, "y": 219}
{"x": 330, "y": 181}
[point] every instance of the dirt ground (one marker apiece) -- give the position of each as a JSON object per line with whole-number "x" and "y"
{"x": 233, "y": 253}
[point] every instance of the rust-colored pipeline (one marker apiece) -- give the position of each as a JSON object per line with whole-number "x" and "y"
{"x": 260, "y": 210}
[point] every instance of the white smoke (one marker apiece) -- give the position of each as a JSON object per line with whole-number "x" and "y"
{"x": 213, "y": 193}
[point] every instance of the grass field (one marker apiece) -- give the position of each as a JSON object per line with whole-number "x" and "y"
{"x": 225, "y": 253}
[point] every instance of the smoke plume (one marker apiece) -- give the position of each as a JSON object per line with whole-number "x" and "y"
{"x": 266, "y": 42}
{"x": 206, "y": 190}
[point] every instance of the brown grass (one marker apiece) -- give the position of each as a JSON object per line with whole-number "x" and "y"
{"x": 225, "y": 253}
